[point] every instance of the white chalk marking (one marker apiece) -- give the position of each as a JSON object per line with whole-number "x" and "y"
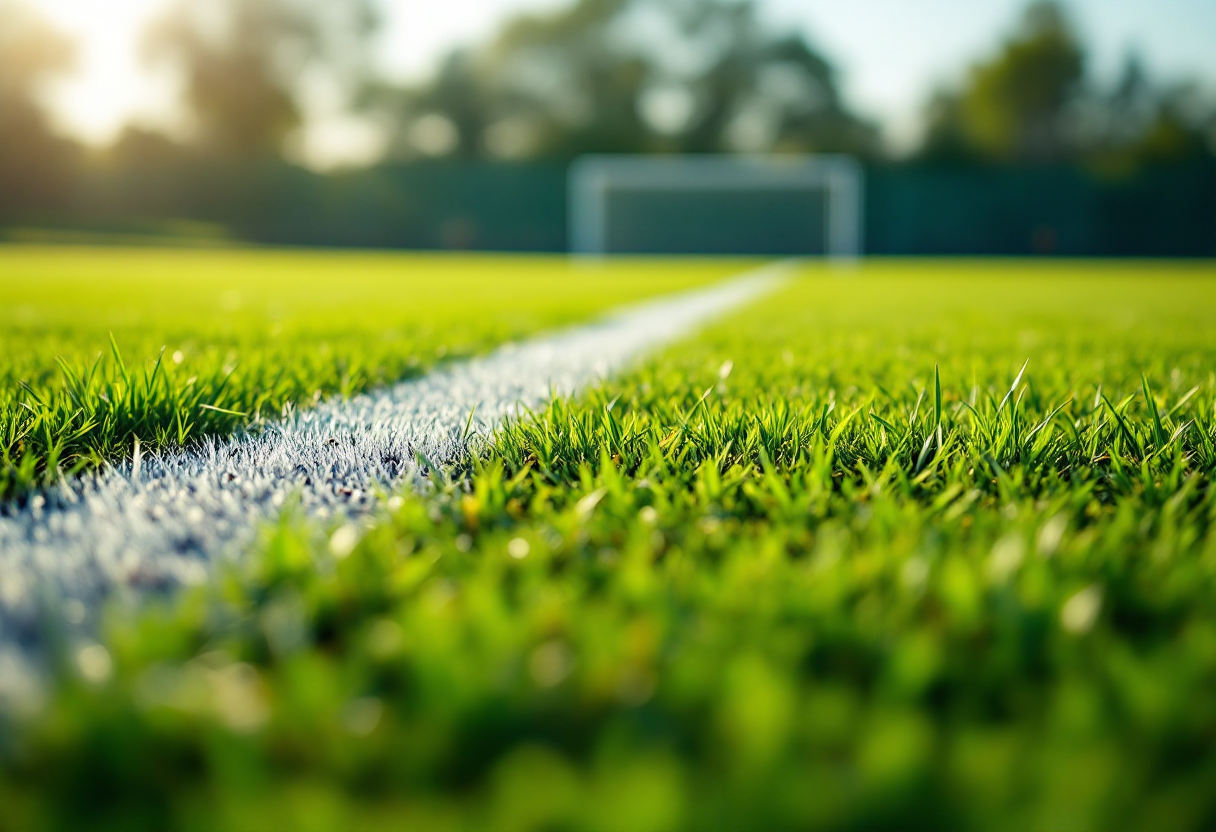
{"x": 161, "y": 521}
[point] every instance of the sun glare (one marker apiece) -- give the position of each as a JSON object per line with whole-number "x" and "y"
{"x": 109, "y": 86}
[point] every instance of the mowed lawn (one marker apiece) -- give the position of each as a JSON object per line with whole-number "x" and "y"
{"x": 101, "y": 346}
{"x": 913, "y": 545}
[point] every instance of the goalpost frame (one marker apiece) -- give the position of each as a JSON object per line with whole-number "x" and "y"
{"x": 839, "y": 177}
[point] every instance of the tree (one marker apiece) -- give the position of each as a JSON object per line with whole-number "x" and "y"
{"x": 762, "y": 91}
{"x": 1031, "y": 102}
{"x": 34, "y": 162}
{"x": 548, "y": 85}
{"x": 452, "y": 114}
{"x": 1015, "y": 105}
{"x": 615, "y": 76}
{"x": 1139, "y": 122}
{"x": 243, "y": 63}
{"x": 569, "y": 81}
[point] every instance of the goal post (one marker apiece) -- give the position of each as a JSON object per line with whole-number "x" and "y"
{"x": 792, "y": 205}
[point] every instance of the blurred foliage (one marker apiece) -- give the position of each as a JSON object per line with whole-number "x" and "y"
{"x": 625, "y": 76}
{"x": 105, "y": 347}
{"x": 1032, "y": 101}
{"x": 1014, "y": 104}
{"x": 34, "y": 162}
{"x": 1128, "y": 161}
{"x": 630, "y": 76}
{"x": 836, "y": 564}
{"x": 243, "y": 60}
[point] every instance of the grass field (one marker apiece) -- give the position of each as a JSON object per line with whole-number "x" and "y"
{"x": 103, "y": 346}
{"x": 922, "y": 545}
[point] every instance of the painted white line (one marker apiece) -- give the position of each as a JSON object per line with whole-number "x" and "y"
{"x": 165, "y": 520}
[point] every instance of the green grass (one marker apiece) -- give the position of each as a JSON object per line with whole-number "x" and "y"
{"x": 930, "y": 545}
{"x": 103, "y": 346}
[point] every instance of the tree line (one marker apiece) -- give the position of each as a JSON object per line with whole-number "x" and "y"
{"x": 623, "y": 76}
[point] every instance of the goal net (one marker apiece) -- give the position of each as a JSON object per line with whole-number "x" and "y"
{"x": 792, "y": 206}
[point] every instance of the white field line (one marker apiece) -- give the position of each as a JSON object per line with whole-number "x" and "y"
{"x": 164, "y": 520}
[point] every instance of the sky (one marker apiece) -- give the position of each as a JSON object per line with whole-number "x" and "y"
{"x": 891, "y": 54}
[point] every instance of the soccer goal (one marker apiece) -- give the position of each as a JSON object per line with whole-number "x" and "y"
{"x": 792, "y": 206}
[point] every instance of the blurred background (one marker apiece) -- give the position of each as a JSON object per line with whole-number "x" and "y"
{"x": 990, "y": 127}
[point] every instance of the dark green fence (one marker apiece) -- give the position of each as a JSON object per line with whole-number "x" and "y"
{"x": 1167, "y": 211}
{"x": 473, "y": 206}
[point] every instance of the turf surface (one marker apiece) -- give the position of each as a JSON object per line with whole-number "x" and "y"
{"x": 931, "y": 545}
{"x": 104, "y": 346}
